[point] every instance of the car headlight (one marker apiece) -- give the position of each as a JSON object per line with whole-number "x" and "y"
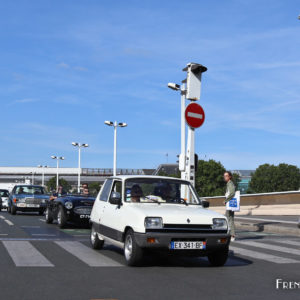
{"x": 219, "y": 224}
{"x": 68, "y": 205}
{"x": 153, "y": 222}
{"x": 43, "y": 201}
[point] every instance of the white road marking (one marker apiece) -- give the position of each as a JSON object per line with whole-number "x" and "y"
{"x": 43, "y": 234}
{"x": 24, "y": 254}
{"x": 194, "y": 115}
{"x": 263, "y": 256}
{"x": 2, "y": 217}
{"x": 42, "y": 220}
{"x": 270, "y": 247}
{"x": 87, "y": 255}
{"x": 267, "y": 220}
{"x": 4, "y": 234}
{"x": 287, "y": 242}
{"x": 9, "y": 222}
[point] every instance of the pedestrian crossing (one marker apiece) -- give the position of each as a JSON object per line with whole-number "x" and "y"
{"x": 26, "y": 253}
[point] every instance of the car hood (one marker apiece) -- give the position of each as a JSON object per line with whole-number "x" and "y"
{"x": 176, "y": 213}
{"x": 81, "y": 201}
{"x": 22, "y": 196}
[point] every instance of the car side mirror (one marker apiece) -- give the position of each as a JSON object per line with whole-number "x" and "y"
{"x": 115, "y": 198}
{"x": 205, "y": 203}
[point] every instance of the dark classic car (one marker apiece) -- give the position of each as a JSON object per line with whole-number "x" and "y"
{"x": 27, "y": 198}
{"x": 70, "y": 208}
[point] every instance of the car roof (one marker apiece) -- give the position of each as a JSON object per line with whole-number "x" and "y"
{"x": 124, "y": 177}
{"x": 34, "y": 185}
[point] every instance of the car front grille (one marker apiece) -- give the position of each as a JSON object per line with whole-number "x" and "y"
{"x": 32, "y": 201}
{"x": 186, "y": 228}
{"x": 83, "y": 210}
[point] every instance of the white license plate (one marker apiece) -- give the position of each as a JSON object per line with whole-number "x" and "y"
{"x": 33, "y": 205}
{"x": 187, "y": 245}
{"x": 84, "y": 216}
{"x": 21, "y": 205}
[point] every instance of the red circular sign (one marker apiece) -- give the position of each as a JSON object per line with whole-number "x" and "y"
{"x": 194, "y": 115}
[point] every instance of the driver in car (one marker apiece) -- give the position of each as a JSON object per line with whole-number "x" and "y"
{"x": 136, "y": 193}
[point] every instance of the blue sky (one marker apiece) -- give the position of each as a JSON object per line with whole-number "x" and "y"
{"x": 67, "y": 66}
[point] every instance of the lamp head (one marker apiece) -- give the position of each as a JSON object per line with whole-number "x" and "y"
{"x": 109, "y": 123}
{"x": 53, "y": 156}
{"x": 122, "y": 124}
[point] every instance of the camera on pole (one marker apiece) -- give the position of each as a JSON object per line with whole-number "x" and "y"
{"x": 193, "y": 80}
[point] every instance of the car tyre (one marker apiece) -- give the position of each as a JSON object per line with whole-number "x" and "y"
{"x": 48, "y": 216}
{"x": 41, "y": 212}
{"x": 218, "y": 258}
{"x": 132, "y": 252}
{"x": 8, "y": 209}
{"x": 13, "y": 210}
{"x": 61, "y": 218}
{"x": 95, "y": 241}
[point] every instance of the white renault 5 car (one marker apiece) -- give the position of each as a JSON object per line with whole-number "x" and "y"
{"x": 140, "y": 213}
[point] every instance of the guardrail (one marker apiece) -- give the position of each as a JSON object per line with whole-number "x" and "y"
{"x": 109, "y": 172}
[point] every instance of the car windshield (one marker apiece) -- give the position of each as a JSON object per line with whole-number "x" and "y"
{"x": 149, "y": 190}
{"x": 4, "y": 193}
{"x": 31, "y": 190}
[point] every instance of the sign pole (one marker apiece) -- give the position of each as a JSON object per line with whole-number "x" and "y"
{"x": 182, "y": 157}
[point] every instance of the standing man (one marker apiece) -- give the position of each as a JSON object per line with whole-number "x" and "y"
{"x": 230, "y": 191}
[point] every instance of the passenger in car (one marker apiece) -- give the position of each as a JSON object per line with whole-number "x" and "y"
{"x": 136, "y": 193}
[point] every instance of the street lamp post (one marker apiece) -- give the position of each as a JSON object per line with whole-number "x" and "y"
{"x": 79, "y": 161}
{"x": 115, "y": 125}
{"x": 57, "y": 166}
{"x": 43, "y": 173}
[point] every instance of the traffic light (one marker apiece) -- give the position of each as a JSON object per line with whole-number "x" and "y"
{"x": 193, "y": 81}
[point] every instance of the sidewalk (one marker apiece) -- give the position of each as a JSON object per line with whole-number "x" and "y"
{"x": 244, "y": 219}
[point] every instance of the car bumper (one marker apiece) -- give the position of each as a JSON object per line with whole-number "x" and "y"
{"x": 26, "y": 208}
{"x": 77, "y": 218}
{"x": 213, "y": 242}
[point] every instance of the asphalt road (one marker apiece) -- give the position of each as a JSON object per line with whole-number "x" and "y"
{"x": 39, "y": 261}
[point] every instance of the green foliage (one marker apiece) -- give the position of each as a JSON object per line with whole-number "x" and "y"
{"x": 51, "y": 184}
{"x": 209, "y": 178}
{"x": 270, "y": 178}
{"x": 236, "y": 178}
{"x": 163, "y": 173}
{"x": 94, "y": 188}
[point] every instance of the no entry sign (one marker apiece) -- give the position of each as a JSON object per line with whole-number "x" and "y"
{"x": 194, "y": 115}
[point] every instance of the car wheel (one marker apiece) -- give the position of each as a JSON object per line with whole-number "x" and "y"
{"x": 48, "y": 216}
{"x": 95, "y": 241}
{"x": 13, "y": 210}
{"x": 132, "y": 252}
{"x": 61, "y": 218}
{"x": 218, "y": 258}
{"x": 8, "y": 209}
{"x": 41, "y": 212}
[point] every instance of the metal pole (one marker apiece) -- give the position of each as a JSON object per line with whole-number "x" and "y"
{"x": 43, "y": 176}
{"x": 57, "y": 163}
{"x": 79, "y": 149}
{"x": 182, "y": 158}
{"x": 115, "y": 149}
{"x": 32, "y": 178}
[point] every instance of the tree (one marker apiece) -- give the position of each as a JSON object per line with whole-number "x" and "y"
{"x": 163, "y": 173}
{"x": 270, "y": 178}
{"x": 51, "y": 184}
{"x": 94, "y": 188}
{"x": 209, "y": 178}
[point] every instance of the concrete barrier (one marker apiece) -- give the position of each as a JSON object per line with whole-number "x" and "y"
{"x": 276, "y": 204}
{"x": 279, "y": 198}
